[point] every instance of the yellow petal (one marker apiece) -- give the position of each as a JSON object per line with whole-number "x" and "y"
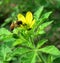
{"x": 32, "y": 23}
{"x": 29, "y": 17}
{"x": 21, "y": 18}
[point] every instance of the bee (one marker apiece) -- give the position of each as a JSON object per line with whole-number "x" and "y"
{"x": 15, "y": 24}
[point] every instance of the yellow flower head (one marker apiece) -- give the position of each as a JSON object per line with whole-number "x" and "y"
{"x": 28, "y": 20}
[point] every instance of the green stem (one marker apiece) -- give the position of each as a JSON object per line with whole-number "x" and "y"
{"x": 42, "y": 58}
{"x": 32, "y": 41}
{"x": 39, "y": 58}
{"x": 49, "y": 59}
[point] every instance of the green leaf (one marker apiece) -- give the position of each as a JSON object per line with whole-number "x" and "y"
{"x": 46, "y": 15}
{"x": 15, "y": 31}
{"x": 6, "y": 36}
{"x": 52, "y": 58}
{"x": 4, "y": 31}
{"x": 41, "y": 42}
{"x": 1, "y": 61}
{"x": 5, "y": 52}
{"x": 50, "y": 50}
{"x": 8, "y": 20}
{"x": 39, "y": 31}
{"x": 28, "y": 58}
{"x": 37, "y": 14}
{"x": 43, "y": 18}
{"x": 24, "y": 42}
{"x": 20, "y": 51}
{"x": 27, "y": 44}
{"x": 17, "y": 42}
{"x": 44, "y": 25}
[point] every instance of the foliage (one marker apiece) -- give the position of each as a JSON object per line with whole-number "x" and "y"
{"x": 20, "y": 45}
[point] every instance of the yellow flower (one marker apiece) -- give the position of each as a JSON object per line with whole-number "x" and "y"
{"x": 28, "y": 20}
